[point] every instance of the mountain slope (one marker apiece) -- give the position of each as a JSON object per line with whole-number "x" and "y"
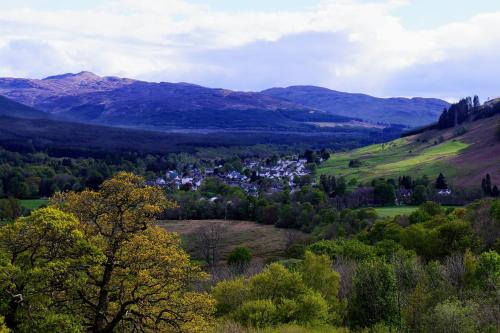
{"x": 86, "y": 97}
{"x": 411, "y": 112}
{"x": 464, "y": 155}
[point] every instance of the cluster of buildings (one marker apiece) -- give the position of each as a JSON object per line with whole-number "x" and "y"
{"x": 255, "y": 174}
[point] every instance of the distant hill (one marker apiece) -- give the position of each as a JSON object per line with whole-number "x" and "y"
{"x": 113, "y": 101}
{"x": 464, "y": 154}
{"x": 86, "y": 97}
{"x": 412, "y": 112}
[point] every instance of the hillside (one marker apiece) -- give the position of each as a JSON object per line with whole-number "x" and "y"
{"x": 86, "y": 97}
{"x": 411, "y": 112}
{"x": 464, "y": 156}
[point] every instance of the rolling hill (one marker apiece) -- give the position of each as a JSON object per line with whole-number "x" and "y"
{"x": 411, "y": 112}
{"x": 464, "y": 155}
{"x": 86, "y": 97}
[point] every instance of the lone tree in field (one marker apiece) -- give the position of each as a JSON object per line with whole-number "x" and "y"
{"x": 441, "y": 182}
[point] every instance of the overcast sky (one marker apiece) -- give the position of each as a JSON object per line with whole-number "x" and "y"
{"x": 430, "y": 48}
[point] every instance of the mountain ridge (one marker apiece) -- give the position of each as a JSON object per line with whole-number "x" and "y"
{"x": 415, "y": 111}
{"x": 87, "y": 97}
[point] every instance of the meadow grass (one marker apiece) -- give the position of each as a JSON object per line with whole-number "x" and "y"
{"x": 394, "y": 211}
{"x": 393, "y": 159}
{"x": 33, "y": 203}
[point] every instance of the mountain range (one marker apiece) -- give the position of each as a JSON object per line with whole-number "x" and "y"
{"x": 89, "y": 98}
{"x": 408, "y": 111}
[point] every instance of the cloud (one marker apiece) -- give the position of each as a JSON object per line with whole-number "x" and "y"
{"x": 341, "y": 44}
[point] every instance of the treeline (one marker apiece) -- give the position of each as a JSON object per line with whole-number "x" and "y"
{"x": 467, "y": 109}
{"x": 314, "y": 205}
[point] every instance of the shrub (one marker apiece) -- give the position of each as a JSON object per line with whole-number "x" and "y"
{"x": 258, "y": 313}
{"x": 230, "y": 294}
{"x": 240, "y": 258}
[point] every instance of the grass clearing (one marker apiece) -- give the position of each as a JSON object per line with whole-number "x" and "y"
{"x": 394, "y": 211}
{"x": 33, "y": 203}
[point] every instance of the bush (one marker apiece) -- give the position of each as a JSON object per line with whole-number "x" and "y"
{"x": 258, "y": 313}
{"x": 312, "y": 309}
{"x": 240, "y": 258}
{"x": 229, "y": 295}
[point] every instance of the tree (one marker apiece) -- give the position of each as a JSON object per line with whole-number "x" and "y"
{"x": 494, "y": 192}
{"x": 10, "y": 209}
{"x": 486, "y": 185}
{"x": 476, "y": 101}
{"x": 451, "y": 317}
{"x": 317, "y": 274}
{"x": 419, "y": 195}
{"x": 41, "y": 260}
{"x": 143, "y": 281}
{"x": 239, "y": 258}
{"x": 209, "y": 240}
{"x": 384, "y": 193}
{"x": 441, "y": 182}
{"x": 374, "y": 298}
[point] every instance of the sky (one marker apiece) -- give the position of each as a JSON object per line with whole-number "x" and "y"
{"x": 430, "y": 48}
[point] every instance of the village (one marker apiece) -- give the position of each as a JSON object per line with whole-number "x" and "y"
{"x": 254, "y": 176}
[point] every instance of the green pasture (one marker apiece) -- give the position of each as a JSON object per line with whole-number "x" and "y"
{"x": 33, "y": 203}
{"x": 392, "y": 159}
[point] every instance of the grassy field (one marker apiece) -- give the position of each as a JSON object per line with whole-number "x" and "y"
{"x": 394, "y": 211}
{"x": 264, "y": 241}
{"x": 399, "y": 157}
{"x": 400, "y": 210}
{"x": 33, "y": 203}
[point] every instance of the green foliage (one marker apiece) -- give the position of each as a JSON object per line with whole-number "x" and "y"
{"x": 3, "y": 328}
{"x": 43, "y": 255}
{"x": 257, "y": 313}
{"x": 239, "y": 258}
{"x": 419, "y": 195}
{"x": 318, "y": 275}
{"x": 278, "y": 295}
{"x": 384, "y": 193}
{"x": 488, "y": 270}
{"x": 230, "y": 294}
{"x": 10, "y": 209}
{"x": 342, "y": 248}
{"x": 374, "y": 299}
{"x": 451, "y": 317}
